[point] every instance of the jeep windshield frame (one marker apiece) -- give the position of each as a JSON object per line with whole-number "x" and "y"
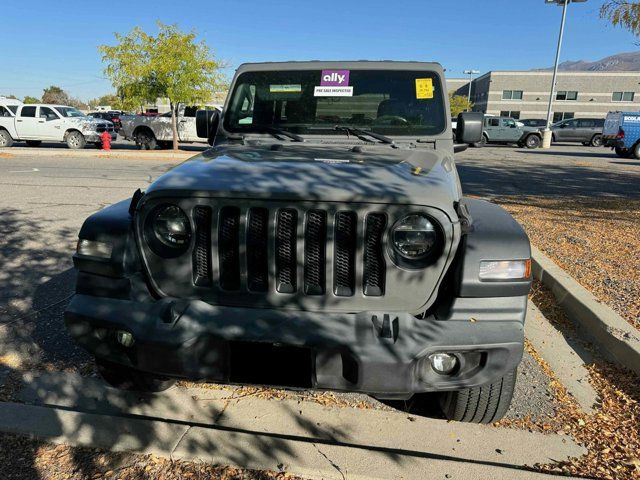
{"x": 402, "y": 103}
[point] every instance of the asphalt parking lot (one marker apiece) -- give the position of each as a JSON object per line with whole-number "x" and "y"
{"x": 44, "y": 200}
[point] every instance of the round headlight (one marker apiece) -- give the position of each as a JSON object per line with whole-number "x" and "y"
{"x": 171, "y": 226}
{"x": 414, "y": 237}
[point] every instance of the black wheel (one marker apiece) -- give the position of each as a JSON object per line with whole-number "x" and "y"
{"x": 596, "y": 141}
{"x": 145, "y": 140}
{"x": 125, "y": 378}
{"x": 485, "y": 404}
{"x": 76, "y": 140}
{"x": 623, "y": 152}
{"x": 484, "y": 141}
{"x": 532, "y": 141}
{"x": 636, "y": 151}
{"x": 5, "y": 139}
{"x": 34, "y": 143}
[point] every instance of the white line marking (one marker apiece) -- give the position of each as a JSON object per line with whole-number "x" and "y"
{"x": 24, "y": 171}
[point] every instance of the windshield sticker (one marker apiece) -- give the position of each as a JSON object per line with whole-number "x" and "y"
{"x": 424, "y": 88}
{"x": 333, "y": 92}
{"x": 334, "y": 78}
{"x": 285, "y": 88}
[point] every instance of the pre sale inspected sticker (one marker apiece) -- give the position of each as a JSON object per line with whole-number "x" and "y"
{"x": 333, "y": 92}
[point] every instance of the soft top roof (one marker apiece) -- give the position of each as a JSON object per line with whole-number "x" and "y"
{"x": 341, "y": 65}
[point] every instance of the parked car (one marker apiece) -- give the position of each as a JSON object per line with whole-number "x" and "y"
{"x": 112, "y": 116}
{"x": 534, "y": 122}
{"x": 587, "y": 131}
{"x": 304, "y": 253}
{"x": 622, "y": 133}
{"x": 506, "y": 130}
{"x": 151, "y": 131}
{"x": 52, "y": 123}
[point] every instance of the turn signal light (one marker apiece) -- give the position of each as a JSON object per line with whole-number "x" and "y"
{"x": 498, "y": 270}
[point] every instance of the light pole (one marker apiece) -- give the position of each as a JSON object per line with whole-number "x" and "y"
{"x": 471, "y": 73}
{"x": 546, "y": 137}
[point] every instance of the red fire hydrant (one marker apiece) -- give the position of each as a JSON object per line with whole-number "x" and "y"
{"x": 106, "y": 140}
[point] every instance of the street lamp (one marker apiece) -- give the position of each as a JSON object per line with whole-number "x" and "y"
{"x": 471, "y": 73}
{"x": 546, "y": 138}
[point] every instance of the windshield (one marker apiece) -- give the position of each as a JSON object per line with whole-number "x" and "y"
{"x": 69, "y": 112}
{"x": 315, "y": 101}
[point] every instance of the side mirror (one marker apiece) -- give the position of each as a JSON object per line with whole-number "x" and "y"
{"x": 563, "y": 125}
{"x": 513, "y": 126}
{"x": 207, "y": 121}
{"x": 469, "y": 128}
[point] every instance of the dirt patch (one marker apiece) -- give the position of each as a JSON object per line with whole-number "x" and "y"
{"x": 595, "y": 240}
{"x": 611, "y": 433}
{"x": 23, "y": 458}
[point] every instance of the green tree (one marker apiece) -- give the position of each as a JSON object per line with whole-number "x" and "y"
{"x": 55, "y": 95}
{"x": 459, "y": 104}
{"x": 622, "y": 13}
{"x": 110, "y": 99}
{"x": 170, "y": 65}
{"x": 30, "y": 99}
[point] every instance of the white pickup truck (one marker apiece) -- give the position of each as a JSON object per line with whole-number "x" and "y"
{"x": 50, "y": 123}
{"x": 151, "y": 131}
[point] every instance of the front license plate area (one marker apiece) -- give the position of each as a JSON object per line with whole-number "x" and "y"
{"x": 268, "y": 364}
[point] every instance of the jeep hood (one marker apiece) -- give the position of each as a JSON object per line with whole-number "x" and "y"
{"x": 376, "y": 174}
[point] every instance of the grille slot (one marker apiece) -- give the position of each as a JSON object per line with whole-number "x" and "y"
{"x": 257, "y": 245}
{"x": 286, "y": 245}
{"x": 229, "y": 246}
{"x": 345, "y": 254}
{"x": 374, "y": 264}
{"x": 202, "y": 248}
{"x": 315, "y": 239}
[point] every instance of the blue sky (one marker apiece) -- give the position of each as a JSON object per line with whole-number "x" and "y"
{"x": 54, "y": 42}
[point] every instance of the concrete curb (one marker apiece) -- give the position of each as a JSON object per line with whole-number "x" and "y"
{"x": 615, "y": 336}
{"x": 115, "y": 154}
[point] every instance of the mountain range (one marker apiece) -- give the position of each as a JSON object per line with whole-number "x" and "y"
{"x": 621, "y": 62}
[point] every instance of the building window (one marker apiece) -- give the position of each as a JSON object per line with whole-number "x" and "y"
{"x": 558, "y": 116}
{"x": 510, "y": 113}
{"x": 566, "y": 95}
{"x": 623, "y": 96}
{"x": 512, "y": 94}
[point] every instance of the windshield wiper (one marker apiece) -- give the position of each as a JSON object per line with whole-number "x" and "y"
{"x": 362, "y": 134}
{"x": 278, "y": 131}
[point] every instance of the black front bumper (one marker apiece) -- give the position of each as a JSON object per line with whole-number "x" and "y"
{"x": 372, "y": 352}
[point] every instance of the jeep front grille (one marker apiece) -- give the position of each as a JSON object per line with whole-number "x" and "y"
{"x": 299, "y": 240}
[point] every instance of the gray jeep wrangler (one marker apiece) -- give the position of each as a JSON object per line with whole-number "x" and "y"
{"x": 322, "y": 242}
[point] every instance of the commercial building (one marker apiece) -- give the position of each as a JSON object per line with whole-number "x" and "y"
{"x": 525, "y": 94}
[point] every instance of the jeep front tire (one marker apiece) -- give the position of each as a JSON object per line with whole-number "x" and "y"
{"x": 125, "y": 378}
{"x": 485, "y": 404}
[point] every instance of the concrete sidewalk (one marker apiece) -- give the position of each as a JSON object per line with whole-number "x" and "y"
{"x": 304, "y": 438}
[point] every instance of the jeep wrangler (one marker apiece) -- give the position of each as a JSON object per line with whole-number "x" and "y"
{"x": 322, "y": 242}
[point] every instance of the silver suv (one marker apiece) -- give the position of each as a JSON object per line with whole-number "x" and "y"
{"x": 587, "y": 131}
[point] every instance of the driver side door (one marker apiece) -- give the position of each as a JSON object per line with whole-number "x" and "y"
{"x": 49, "y": 124}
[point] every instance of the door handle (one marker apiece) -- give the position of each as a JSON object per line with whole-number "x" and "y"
{"x": 20, "y": 121}
{"x": 40, "y": 121}
{"x": 183, "y": 121}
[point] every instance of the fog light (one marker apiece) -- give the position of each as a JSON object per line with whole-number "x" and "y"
{"x": 124, "y": 338}
{"x": 443, "y": 363}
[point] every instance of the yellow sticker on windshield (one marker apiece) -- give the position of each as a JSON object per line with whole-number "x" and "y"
{"x": 424, "y": 88}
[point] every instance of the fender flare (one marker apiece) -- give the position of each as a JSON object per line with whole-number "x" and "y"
{"x": 493, "y": 234}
